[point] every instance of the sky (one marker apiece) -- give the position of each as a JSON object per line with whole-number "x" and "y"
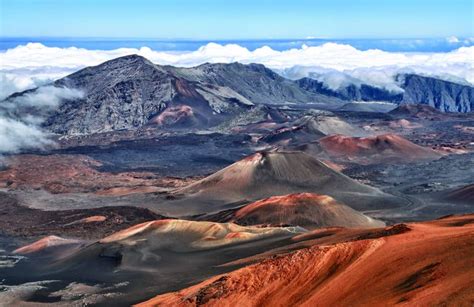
{"x": 242, "y": 19}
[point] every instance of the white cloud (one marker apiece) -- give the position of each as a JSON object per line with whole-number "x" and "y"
{"x": 20, "y": 79}
{"x": 26, "y": 66}
{"x": 452, "y": 40}
{"x": 20, "y": 129}
{"x": 47, "y": 96}
{"x": 16, "y": 135}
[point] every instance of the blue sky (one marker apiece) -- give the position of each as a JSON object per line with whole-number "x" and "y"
{"x": 237, "y": 19}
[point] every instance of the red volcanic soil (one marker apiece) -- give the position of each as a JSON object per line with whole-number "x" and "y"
{"x": 464, "y": 194}
{"x": 376, "y": 149}
{"x": 20, "y": 221}
{"x": 77, "y": 173}
{"x": 184, "y": 88}
{"x": 307, "y": 210}
{"x": 424, "y": 264}
{"x": 173, "y": 115}
{"x": 92, "y": 219}
{"x": 46, "y": 242}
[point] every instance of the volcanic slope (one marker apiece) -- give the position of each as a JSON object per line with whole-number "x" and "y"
{"x": 49, "y": 242}
{"x": 162, "y": 255}
{"x": 310, "y": 128}
{"x": 265, "y": 174}
{"x": 130, "y": 92}
{"x": 255, "y": 82}
{"x": 422, "y": 264}
{"x": 307, "y": 210}
{"x": 462, "y": 195}
{"x": 386, "y": 148}
{"x": 149, "y": 245}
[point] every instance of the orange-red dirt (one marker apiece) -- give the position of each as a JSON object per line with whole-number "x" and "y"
{"x": 426, "y": 264}
{"x": 93, "y": 219}
{"x": 307, "y": 210}
{"x": 42, "y": 244}
{"x": 77, "y": 173}
{"x": 376, "y": 149}
{"x": 173, "y": 115}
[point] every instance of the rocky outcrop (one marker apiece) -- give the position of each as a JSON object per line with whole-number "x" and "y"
{"x": 442, "y": 95}
{"x": 256, "y": 82}
{"x": 131, "y": 92}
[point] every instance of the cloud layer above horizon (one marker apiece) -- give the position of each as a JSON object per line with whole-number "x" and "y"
{"x": 34, "y": 64}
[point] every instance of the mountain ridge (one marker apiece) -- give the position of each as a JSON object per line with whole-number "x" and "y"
{"x": 445, "y": 96}
{"x": 131, "y": 92}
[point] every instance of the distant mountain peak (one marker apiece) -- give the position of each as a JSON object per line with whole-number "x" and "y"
{"x": 131, "y": 58}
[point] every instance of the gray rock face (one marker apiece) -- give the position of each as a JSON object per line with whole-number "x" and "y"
{"x": 255, "y": 82}
{"x": 363, "y": 92}
{"x": 130, "y": 92}
{"x": 442, "y": 95}
{"x": 119, "y": 95}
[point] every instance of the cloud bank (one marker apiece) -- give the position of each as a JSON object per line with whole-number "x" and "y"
{"x": 29, "y": 65}
{"x": 21, "y": 117}
{"x": 20, "y": 79}
{"x": 16, "y": 135}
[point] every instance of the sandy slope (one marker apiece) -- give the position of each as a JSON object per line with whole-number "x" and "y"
{"x": 426, "y": 264}
{"x": 156, "y": 256}
{"x": 44, "y": 244}
{"x": 168, "y": 246}
{"x": 182, "y": 235}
